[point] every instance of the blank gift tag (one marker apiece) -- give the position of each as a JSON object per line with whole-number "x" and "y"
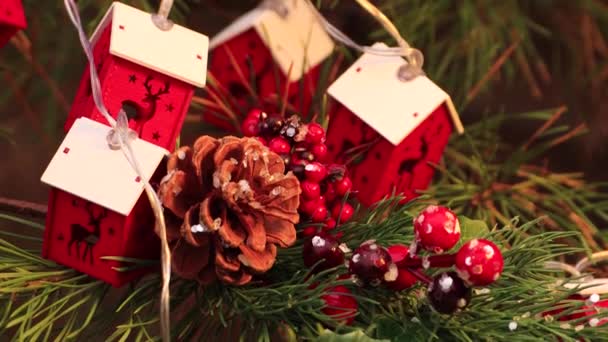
{"x": 178, "y": 52}
{"x": 296, "y": 40}
{"x": 371, "y": 90}
{"x": 85, "y": 166}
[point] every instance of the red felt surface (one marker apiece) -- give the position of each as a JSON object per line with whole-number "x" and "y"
{"x": 158, "y": 103}
{"x": 257, "y": 66}
{"x": 384, "y": 167}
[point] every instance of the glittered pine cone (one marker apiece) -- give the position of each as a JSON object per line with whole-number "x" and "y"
{"x": 231, "y": 204}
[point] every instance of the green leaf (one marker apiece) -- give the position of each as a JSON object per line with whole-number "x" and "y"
{"x": 471, "y": 229}
{"x": 355, "y": 336}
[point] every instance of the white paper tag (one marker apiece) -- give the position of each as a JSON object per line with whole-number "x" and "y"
{"x": 85, "y": 166}
{"x": 371, "y": 90}
{"x": 179, "y": 52}
{"x": 297, "y": 41}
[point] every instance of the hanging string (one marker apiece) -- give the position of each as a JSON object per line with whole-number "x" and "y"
{"x": 121, "y": 137}
{"x": 578, "y": 269}
{"x": 161, "y": 18}
{"x": 414, "y": 58}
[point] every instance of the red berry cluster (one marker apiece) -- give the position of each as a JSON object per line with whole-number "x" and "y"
{"x": 302, "y": 147}
{"x": 478, "y": 262}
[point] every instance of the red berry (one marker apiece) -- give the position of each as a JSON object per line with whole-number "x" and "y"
{"x": 309, "y": 231}
{"x": 341, "y": 305}
{"x": 343, "y": 186}
{"x": 479, "y": 262}
{"x": 250, "y": 127}
{"x": 261, "y": 140}
{"x": 342, "y": 212}
{"x": 330, "y": 192}
{"x": 330, "y": 224}
{"x": 308, "y": 207}
{"x": 319, "y": 151}
{"x": 322, "y": 246}
{"x": 315, "y": 134}
{"x": 310, "y": 190}
{"x": 255, "y": 114}
{"x": 371, "y": 264}
{"x": 315, "y": 172}
{"x": 319, "y": 214}
{"x": 437, "y": 229}
{"x": 279, "y": 145}
{"x": 448, "y": 293}
{"x": 405, "y": 279}
{"x": 321, "y": 200}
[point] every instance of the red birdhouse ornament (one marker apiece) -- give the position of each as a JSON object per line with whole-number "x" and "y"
{"x": 12, "y": 19}
{"x": 149, "y": 72}
{"x": 401, "y": 126}
{"x": 96, "y": 206}
{"x": 266, "y": 48}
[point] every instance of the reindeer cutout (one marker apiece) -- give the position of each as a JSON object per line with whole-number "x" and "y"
{"x": 84, "y": 234}
{"x": 141, "y": 114}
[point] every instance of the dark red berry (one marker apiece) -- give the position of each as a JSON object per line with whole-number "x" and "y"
{"x": 298, "y": 170}
{"x": 437, "y": 229}
{"x": 319, "y": 214}
{"x": 448, "y": 293}
{"x": 315, "y": 134}
{"x": 309, "y": 231}
{"x": 371, "y": 264}
{"x": 308, "y": 207}
{"x": 250, "y": 127}
{"x": 343, "y": 186}
{"x": 310, "y": 190}
{"x": 329, "y": 224}
{"x": 279, "y": 145}
{"x": 315, "y": 172}
{"x": 271, "y": 126}
{"x": 323, "y": 249}
{"x": 479, "y": 262}
{"x": 405, "y": 279}
{"x": 330, "y": 192}
{"x": 319, "y": 151}
{"x": 342, "y": 212}
{"x": 341, "y": 305}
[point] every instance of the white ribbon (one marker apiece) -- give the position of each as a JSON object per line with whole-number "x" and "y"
{"x": 120, "y": 137}
{"x": 590, "y": 284}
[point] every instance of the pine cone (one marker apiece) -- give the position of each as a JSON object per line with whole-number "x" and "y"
{"x": 231, "y": 204}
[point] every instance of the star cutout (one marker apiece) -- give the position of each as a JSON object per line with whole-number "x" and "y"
{"x": 111, "y": 231}
{"x": 60, "y": 237}
{"x": 132, "y": 78}
{"x": 74, "y": 203}
{"x": 156, "y": 136}
{"x": 169, "y": 107}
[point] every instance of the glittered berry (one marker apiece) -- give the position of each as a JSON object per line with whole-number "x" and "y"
{"x": 341, "y": 305}
{"x": 448, "y": 293}
{"x": 479, "y": 262}
{"x": 279, "y": 145}
{"x": 405, "y": 279}
{"x": 343, "y": 186}
{"x": 250, "y": 127}
{"x": 319, "y": 151}
{"x": 319, "y": 214}
{"x": 323, "y": 249}
{"x": 371, "y": 264}
{"x": 330, "y": 224}
{"x": 437, "y": 229}
{"x": 310, "y": 190}
{"x": 315, "y": 172}
{"x": 315, "y": 134}
{"x": 342, "y": 212}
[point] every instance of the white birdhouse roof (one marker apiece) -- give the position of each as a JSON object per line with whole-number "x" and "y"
{"x": 85, "y": 166}
{"x": 371, "y": 90}
{"x": 179, "y": 52}
{"x": 297, "y": 40}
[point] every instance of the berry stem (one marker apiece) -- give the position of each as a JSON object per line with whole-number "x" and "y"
{"x": 444, "y": 260}
{"x": 420, "y": 275}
